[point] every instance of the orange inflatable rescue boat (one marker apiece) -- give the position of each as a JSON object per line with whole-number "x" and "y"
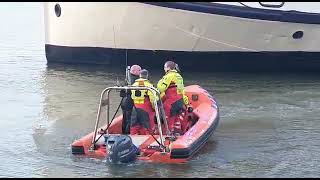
{"x": 109, "y": 142}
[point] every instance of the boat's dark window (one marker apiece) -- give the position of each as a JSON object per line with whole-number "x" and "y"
{"x": 57, "y": 10}
{"x": 297, "y": 35}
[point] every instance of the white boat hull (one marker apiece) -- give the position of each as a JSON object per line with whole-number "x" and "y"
{"x": 146, "y": 27}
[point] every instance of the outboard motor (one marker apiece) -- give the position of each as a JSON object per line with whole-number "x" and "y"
{"x": 120, "y": 148}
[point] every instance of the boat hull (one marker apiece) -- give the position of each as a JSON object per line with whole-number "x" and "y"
{"x": 210, "y": 34}
{"x": 207, "y": 61}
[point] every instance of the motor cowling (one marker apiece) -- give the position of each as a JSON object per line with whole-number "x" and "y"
{"x": 120, "y": 148}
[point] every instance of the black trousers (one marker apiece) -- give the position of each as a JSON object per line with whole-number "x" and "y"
{"x": 126, "y": 106}
{"x": 176, "y": 108}
{"x": 140, "y": 117}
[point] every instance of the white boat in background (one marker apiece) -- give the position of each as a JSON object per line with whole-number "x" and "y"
{"x": 216, "y": 35}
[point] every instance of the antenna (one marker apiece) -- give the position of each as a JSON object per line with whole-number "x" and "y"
{"x": 128, "y": 80}
{"x": 126, "y": 57}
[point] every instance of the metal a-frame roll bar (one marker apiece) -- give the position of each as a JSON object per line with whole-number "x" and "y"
{"x": 158, "y": 110}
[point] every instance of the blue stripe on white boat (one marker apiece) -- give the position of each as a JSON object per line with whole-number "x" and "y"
{"x": 243, "y": 12}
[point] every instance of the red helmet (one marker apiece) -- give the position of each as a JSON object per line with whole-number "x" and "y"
{"x": 135, "y": 70}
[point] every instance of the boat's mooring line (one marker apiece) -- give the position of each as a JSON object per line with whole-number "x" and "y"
{"x": 215, "y": 41}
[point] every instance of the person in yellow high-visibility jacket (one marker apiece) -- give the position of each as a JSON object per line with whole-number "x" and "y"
{"x": 172, "y": 93}
{"x": 142, "y": 117}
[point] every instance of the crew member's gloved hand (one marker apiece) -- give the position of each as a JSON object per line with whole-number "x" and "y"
{"x": 189, "y": 109}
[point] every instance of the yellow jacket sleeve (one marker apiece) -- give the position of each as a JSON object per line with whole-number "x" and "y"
{"x": 164, "y": 83}
{"x": 185, "y": 98}
{"x": 180, "y": 88}
{"x": 150, "y": 94}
